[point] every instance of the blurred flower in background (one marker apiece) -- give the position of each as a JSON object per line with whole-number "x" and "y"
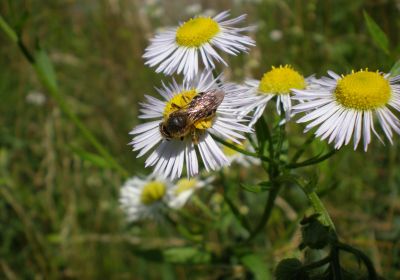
{"x": 239, "y": 158}
{"x": 151, "y": 196}
{"x": 36, "y": 98}
{"x": 344, "y": 106}
{"x": 276, "y": 35}
{"x": 182, "y": 49}
{"x": 184, "y": 188}
{"x": 144, "y": 198}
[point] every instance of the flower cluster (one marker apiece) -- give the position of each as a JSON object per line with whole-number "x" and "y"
{"x": 189, "y": 120}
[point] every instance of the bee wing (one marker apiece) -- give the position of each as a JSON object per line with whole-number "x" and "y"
{"x": 204, "y": 105}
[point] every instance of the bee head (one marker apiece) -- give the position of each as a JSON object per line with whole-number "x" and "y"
{"x": 174, "y": 126}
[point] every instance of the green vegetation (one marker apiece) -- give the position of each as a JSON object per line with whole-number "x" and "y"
{"x": 64, "y": 152}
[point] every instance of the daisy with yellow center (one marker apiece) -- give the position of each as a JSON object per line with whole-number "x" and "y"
{"x": 184, "y": 188}
{"x": 183, "y": 49}
{"x": 173, "y": 150}
{"x": 278, "y": 83}
{"x": 144, "y": 198}
{"x": 343, "y": 107}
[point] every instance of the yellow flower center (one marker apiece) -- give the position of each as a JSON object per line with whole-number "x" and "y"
{"x": 184, "y": 185}
{"x": 196, "y": 32}
{"x": 182, "y": 100}
{"x": 152, "y": 192}
{"x": 363, "y": 90}
{"x": 281, "y": 80}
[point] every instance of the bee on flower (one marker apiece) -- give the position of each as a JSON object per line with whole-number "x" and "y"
{"x": 185, "y": 48}
{"x": 184, "y": 121}
{"x": 344, "y": 107}
{"x": 279, "y": 83}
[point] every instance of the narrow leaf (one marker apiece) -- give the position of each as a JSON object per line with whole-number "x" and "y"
{"x": 257, "y": 266}
{"x": 96, "y": 160}
{"x": 395, "y": 71}
{"x": 186, "y": 255}
{"x": 45, "y": 69}
{"x": 378, "y": 36}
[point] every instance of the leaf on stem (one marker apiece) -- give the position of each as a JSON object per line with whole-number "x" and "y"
{"x": 395, "y": 71}
{"x": 260, "y": 187}
{"x": 187, "y": 255}
{"x": 378, "y": 36}
{"x": 257, "y": 266}
{"x": 92, "y": 158}
{"x": 45, "y": 68}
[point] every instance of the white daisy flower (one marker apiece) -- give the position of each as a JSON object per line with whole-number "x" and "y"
{"x": 184, "y": 189}
{"x": 343, "y": 107}
{"x": 279, "y": 82}
{"x": 181, "y": 49}
{"x": 174, "y": 137}
{"x": 144, "y": 198}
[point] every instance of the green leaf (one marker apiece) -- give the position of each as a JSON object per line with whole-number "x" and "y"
{"x": 395, "y": 69}
{"x": 289, "y": 269}
{"x": 45, "y": 69}
{"x": 378, "y": 36}
{"x": 257, "y": 266}
{"x": 251, "y": 188}
{"x": 260, "y": 187}
{"x": 94, "y": 159}
{"x": 186, "y": 255}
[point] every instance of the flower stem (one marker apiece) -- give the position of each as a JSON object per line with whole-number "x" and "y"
{"x": 320, "y": 209}
{"x": 242, "y": 151}
{"x": 266, "y": 213}
{"x": 44, "y": 71}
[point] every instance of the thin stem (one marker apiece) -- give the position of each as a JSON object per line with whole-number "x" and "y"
{"x": 240, "y": 218}
{"x": 266, "y": 213}
{"x": 317, "y": 264}
{"x": 311, "y": 161}
{"x": 51, "y": 86}
{"x": 200, "y": 204}
{"x": 10, "y": 33}
{"x": 242, "y": 151}
{"x": 320, "y": 208}
{"x": 302, "y": 149}
{"x": 367, "y": 262}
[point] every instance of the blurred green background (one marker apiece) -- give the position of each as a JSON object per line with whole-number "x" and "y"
{"x": 59, "y": 214}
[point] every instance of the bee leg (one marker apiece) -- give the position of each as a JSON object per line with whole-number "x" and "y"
{"x": 195, "y": 137}
{"x": 175, "y": 106}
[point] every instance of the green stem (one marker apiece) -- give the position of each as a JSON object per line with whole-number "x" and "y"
{"x": 367, "y": 262}
{"x": 302, "y": 149}
{"x": 320, "y": 208}
{"x": 56, "y": 95}
{"x": 10, "y": 33}
{"x": 242, "y": 151}
{"x": 200, "y": 204}
{"x": 266, "y": 213}
{"x": 311, "y": 161}
{"x": 51, "y": 86}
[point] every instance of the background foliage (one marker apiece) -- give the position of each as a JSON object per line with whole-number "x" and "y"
{"x": 59, "y": 215}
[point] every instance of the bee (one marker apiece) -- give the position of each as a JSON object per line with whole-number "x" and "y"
{"x": 181, "y": 122}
